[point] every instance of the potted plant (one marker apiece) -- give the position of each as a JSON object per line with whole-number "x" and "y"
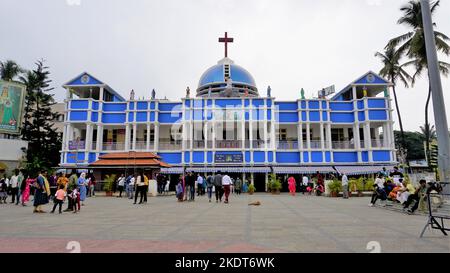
{"x": 352, "y": 186}
{"x": 109, "y": 183}
{"x": 360, "y": 186}
{"x": 274, "y": 185}
{"x": 335, "y": 187}
{"x": 369, "y": 184}
{"x": 251, "y": 189}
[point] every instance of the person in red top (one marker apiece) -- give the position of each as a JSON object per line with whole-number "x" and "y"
{"x": 291, "y": 184}
{"x": 320, "y": 188}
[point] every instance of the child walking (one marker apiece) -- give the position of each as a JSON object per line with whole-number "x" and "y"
{"x": 59, "y": 198}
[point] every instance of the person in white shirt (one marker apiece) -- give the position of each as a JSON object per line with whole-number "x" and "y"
{"x": 305, "y": 181}
{"x": 14, "y": 184}
{"x": 121, "y": 184}
{"x": 226, "y": 184}
{"x": 379, "y": 191}
{"x": 199, "y": 185}
{"x": 139, "y": 185}
{"x": 344, "y": 186}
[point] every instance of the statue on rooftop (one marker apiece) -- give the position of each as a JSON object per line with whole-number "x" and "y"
{"x": 188, "y": 92}
{"x": 153, "y": 94}
{"x": 302, "y": 93}
{"x": 132, "y": 94}
{"x": 269, "y": 91}
{"x": 228, "y": 92}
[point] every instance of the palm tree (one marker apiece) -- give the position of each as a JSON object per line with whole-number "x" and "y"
{"x": 428, "y": 132}
{"x": 394, "y": 72}
{"x": 9, "y": 70}
{"x": 412, "y": 44}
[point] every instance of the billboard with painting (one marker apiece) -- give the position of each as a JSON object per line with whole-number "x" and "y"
{"x": 11, "y": 106}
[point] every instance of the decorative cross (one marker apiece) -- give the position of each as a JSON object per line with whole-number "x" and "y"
{"x": 226, "y": 40}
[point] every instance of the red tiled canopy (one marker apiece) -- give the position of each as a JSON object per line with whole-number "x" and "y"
{"x": 130, "y": 159}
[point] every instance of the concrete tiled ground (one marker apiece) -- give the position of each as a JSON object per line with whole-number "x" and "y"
{"x": 281, "y": 224}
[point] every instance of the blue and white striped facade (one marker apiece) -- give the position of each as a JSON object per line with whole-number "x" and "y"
{"x": 354, "y": 127}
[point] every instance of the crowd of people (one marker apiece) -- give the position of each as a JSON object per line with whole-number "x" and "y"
{"x": 392, "y": 186}
{"x": 221, "y": 183}
{"x": 75, "y": 188}
{"x": 46, "y": 188}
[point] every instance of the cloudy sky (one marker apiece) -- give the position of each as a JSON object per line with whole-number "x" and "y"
{"x": 168, "y": 44}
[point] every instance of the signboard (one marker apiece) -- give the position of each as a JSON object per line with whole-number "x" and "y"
{"x": 11, "y": 106}
{"x": 326, "y": 91}
{"x": 229, "y": 158}
{"x": 77, "y": 145}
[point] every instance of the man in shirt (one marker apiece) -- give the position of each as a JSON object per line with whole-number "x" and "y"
{"x": 419, "y": 193}
{"x": 226, "y": 184}
{"x": 378, "y": 191}
{"x": 344, "y": 186}
{"x": 14, "y": 183}
{"x": 396, "y": 176}
{"x": 199, "y": 184}
{"x": 218, "y": 187}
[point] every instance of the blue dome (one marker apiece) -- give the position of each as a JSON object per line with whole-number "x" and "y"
{"x": 216, "y": 74}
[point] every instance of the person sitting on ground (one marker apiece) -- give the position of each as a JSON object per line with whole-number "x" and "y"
{"x": 419, "y": 193}
{"x": 378, "y": 191}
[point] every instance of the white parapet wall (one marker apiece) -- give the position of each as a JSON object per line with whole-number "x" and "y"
{"x": 11, "y": 151}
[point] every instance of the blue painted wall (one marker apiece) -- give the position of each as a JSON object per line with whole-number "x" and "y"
{"x": 289, "y": 157}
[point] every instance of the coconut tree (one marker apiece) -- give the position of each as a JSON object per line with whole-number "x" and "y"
{"x": 395, "y": 72}
{"x": 9, "y": 70}
{"x": 428, "y": 132}
{"x": 412, "y": 45}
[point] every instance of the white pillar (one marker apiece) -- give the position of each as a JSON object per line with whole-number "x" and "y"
{"x": 308, "y": 136}
{"x": 88, "y": 137}
{"x": 300, "y": 136}
{"x": 322, "y": 137}
{"x": 156, "y": 137}
{"x": 134, "y": 136}
{"x": 101, "y": 93}
{"x": 148, "y": 137}
{"x": 99, "y": 138}
{"x": 251, "y": 134}
{"x": 368, "y": 140}
{"x": 127, "y": 137}
{"x": 330, "y": 144}
{"x": 377, "y": 136}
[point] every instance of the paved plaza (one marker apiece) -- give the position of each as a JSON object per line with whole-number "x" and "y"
{"x": 281, "y": 224}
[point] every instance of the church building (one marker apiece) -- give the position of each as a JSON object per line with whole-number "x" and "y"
{"x": 228, "y": 124}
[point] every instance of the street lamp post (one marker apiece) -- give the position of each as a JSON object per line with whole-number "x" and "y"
{"x": 440, "y": 116}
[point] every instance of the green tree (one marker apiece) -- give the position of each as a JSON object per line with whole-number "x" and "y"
{"x": 43, "y": 141}
{"x": 414, "y": 144}
{"x": 428, "y": 132}
{"x": 395, "y": 72}
{"x": 9, "y": 70}
{"x": 412, "y": 45}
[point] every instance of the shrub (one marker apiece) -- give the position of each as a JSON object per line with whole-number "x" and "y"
{"x": 369, "y": 184}
{"x": 109, "y": 182}
{"x": 335, "y": 186}
{"x": 251, "y": 188}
